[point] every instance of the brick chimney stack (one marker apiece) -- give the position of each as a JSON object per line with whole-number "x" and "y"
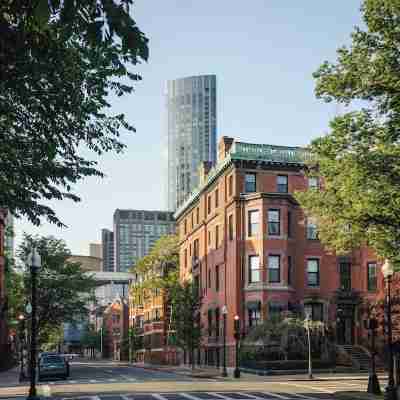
{"x": 204, "y": 169}
{"x": 224, "y": 145}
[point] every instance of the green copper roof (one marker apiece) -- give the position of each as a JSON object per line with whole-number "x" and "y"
{"x": 250, "y": 152}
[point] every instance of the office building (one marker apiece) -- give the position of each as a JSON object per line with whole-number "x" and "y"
{"x": 107, "y": 243}
{"x": 135, "y": 232}
{"x": 95, "y": 250}
{"x": 191, "y": 131}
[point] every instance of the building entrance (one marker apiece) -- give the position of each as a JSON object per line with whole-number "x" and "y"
{"x": 345, "y": 324}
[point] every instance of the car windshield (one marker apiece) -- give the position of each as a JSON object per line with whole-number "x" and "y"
{"x": 52, "y": 360}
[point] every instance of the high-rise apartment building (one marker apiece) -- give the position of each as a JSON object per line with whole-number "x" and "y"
{"x": 107, "y": 242}
{"x": 192, "y": 131}
{"x": 95, "y": 250}
{"x": 135, "y": 232}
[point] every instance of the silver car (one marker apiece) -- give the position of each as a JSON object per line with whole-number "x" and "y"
{"x": 52, "y": 366}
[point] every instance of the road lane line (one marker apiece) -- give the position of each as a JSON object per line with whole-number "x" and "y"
{"x": 315, "y": 388}
{"x": 279, "y": 396}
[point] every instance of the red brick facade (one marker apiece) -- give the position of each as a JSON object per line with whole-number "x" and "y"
{"x": 116, "y": 326}
{"x": 253, "y": 249}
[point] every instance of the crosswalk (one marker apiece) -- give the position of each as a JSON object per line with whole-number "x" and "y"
{"x": 85, "y": 381}
{"x": 203, "y": 396}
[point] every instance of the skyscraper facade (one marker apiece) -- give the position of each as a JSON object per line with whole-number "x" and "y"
{"x": 135, "y": 232}
{"x": 107, "y": 242}
{"x": 192, "y": 132}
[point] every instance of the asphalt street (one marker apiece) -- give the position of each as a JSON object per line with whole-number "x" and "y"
{"x": 102, "y": 380}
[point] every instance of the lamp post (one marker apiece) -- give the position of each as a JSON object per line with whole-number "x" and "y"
{"x": 224, "y": 313}
{"x": 373, "y": 383}
{"x": 307, "y": 325}
{"x": 236, "y": 372}
{"x": 21, "y": 319}
{"x": 387, "y": 271}
{"x": 34, "y": 263}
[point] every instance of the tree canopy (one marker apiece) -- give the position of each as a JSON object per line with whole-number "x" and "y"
{"x": 63, "y": 289}
{"x": 59, "y": 62}
{"x": 359, "y": 160}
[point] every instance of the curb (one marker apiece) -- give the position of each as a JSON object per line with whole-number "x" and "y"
{"x": 183, "y": 373}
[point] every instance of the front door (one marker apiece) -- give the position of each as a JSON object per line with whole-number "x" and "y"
{"x": 345, "y": 324}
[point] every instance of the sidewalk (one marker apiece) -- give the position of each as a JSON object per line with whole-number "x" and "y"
{"x": 212, "y": 372}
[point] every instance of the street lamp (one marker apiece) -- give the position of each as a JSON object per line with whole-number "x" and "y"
{"x": 236, "y": 372}
{"x": 373, "y": 383}
{"x": 34, "y": 263}
{"x": 387, "y": 271}
{"x": 307, "y": 325}
{"x": 21, "y": 319}
{"x": 224, "y": 313}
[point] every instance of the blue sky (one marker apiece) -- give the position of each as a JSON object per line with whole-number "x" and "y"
{"x": 263, "y": 53}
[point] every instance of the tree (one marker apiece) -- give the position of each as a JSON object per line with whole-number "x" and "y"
{"x": 91, "y": 339}
{"x": 64, "y": 290}
{"x": 359, "y": 160}
{"x": 59, "y": 62}
{"x": 185, "y": 309}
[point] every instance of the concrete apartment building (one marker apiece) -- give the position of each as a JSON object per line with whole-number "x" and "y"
{"x": 191, "y": 132}
{"x": 135, "y": 232}
{"x": 248, "y": 245}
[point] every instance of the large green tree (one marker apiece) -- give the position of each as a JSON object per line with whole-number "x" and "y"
{"x": 63, "y": 289}
{"x": 359, "y": 159}
{"x": 59, "y": 63}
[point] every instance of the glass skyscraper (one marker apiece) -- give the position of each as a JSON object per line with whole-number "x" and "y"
{"x": 192, "y": 132}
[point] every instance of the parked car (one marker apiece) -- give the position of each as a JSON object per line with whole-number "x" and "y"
{"x": 52, "y": 365}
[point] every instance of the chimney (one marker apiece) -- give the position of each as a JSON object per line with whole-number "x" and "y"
{"x": 204, "y": 169}
{"x": 224, "y": 146}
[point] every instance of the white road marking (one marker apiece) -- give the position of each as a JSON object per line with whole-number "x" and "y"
{"x": 279, "y": 396}
{"x": 316, "y": 388}
{"x": 93, "y": 381}
{"x": 111, "y": 380}
{"x": 303, "y": 397}
{"x": 72, "y": 381}
{"x": 157, "y": 396}
{"x": 46, "y": 391}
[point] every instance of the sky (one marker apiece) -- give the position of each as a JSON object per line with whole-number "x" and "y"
{"x": 263, "y": 53}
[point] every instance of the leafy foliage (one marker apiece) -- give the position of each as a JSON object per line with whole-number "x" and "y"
{"x": 359, "y": 160}
{"x": 59, "y": 62}
{"x": 63, "y": 289}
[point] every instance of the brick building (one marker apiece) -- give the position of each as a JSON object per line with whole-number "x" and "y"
{"x": 149, "y": 315}
{"x": 115, "y": 323}
{"x": 248, "y": 245}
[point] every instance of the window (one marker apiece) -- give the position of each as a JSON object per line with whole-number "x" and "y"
{"x": 217, "y": 278}
{"x": 282, "y": 183}
{"x": 289, "y": 224}
{"x": 371, "y": 276}
{"x": 253, "y": 223}
{"x": 185, "y": 258}
{"x": 208, "y": 204}
{"x": 315, "y": 311}
{"x": 197, "y": 215}
{"x": 216, "y": 198}
{"x": 275, "y": 309}
{"x": 185, "y": 227}
{"x": 313, "y": 182}
{"x": 209, "y": 278}
{"x": 217, "y": 321}
{"x": 312, "y": 232}
{"x": 274, "y": 269}
{"x": 230, "y": 185}
{"x": 216, "y": 236}
{"x": 313, "y": 272}
{"x": 209, "y": 238}
{"x": 345, "y": 276}
{"x": 250, "y": 183}
{"x": 274, "y": 223}
{"x": 254, "y": 317}
{"x": 191, "y": 217}
{"x": 230, "y": 227}
{"x": 254, "y": 269}
{"x": 196, "y": 249}
{"x": 289, "y": 271}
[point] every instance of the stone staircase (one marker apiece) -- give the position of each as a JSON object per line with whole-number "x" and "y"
{"x": 361, "y": 358}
